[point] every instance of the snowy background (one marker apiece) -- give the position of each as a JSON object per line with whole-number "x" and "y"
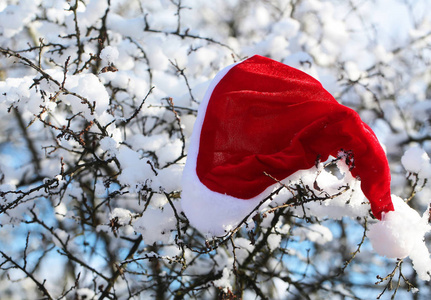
{"x": 97, "y": 104}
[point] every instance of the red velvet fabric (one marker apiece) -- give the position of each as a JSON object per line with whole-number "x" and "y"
{"x": 264, "y": 116}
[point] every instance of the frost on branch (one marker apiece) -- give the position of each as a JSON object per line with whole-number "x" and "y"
{"x": 98, "y": 99}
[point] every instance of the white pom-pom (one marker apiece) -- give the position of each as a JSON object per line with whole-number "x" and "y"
{"x": 398, "y": 232}
{"x": 389, "y": 237}
{"x": 401, "y": 234}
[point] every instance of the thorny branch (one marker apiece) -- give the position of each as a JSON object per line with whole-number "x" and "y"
{"x": 389, "y": 286}
{"x": 40, "y": 286}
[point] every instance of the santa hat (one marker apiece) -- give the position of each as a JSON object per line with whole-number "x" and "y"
{"x": 260, "y": 116}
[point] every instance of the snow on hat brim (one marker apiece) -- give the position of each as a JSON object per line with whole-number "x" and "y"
{"x": 211, "y": 212}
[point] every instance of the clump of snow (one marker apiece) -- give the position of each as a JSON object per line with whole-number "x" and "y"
{"x": 84, "y": 294}
{"x": 353, "y": 71}
{"x": 188, "y": 121}
{"x": 149, "y": 143}
{"x": 273, "y": 241}
{"x": 169, "y": 152}
{"x": 100, "y": 190}
{"x": 350, "y": 203}
{"x": 382, "y": 54}
{"x": 60, "y": 211}
{"x": 416, "y": 160}
{"x": 224, "y": 281}
{"x": 123, "y": 216}
{"x": 223, "y": 259}
{"x": 16, "y": 92}
{"x": 401, "y": 234}
{"x": 158, "y": 200}
{"x": 14, "y": 17}
{"x": 243, "y": 249}
{"x": 109, "y": 145}
{"x": 109, "y": 54}
{"x": 89, "y": 87}
{"x": 136, "y": 172}
{"x": 15, "y": 89}
{"x": 287, "y": 27}
{"x": 315, "y": 233}
{"x": 168, "y": 179}
{"x": 156, "y": 225}
{"x": 301, "y": 60}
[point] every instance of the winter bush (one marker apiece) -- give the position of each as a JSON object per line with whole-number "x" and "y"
{"x": 98, "y": 99}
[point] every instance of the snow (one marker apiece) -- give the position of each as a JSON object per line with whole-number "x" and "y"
{"x": 84, "y": 294}
{"x": 224, "y": 281}
{"x": 169, "y": 152}
{"x": 136, "y": 172}
{"x": 170, "y": 178}
{"x": 155, "y": 225}
{"x": 315, "y": 232}
{"x": 100, "y": 190}
{"x": 274, "y": 241}
{"x": 416, "y": 160}
{"x": 148, "y": 142}
{"x": 401, "y": 234}
{"x": 121, "y": 215}
{"x": 15, "y": 91}
{"x": 90, "y": 87}
{"x": 158, "y": 200}
{"x": 109, "y": 54}
{"x": 351, "y": 203}
{"x": 244, "y": 248}
{"x": 109, "y": 145}
{"x": 126, "y": 27}
{"x": 13, "y": 17}
{"x": 60, "y": 211}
